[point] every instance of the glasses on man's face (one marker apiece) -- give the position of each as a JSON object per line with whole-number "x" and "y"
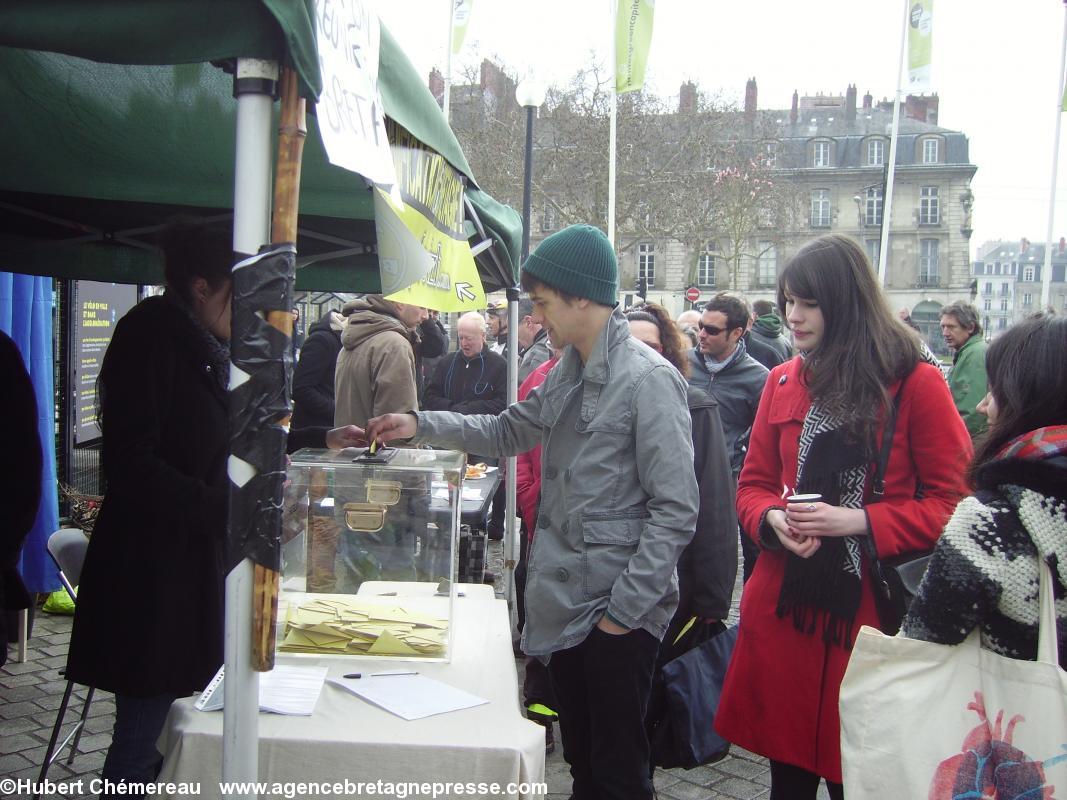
{"x": 711, "y": 330}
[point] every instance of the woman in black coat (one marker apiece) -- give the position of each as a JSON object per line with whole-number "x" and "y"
{"x": 150, "y": 606}
{"x": 707, "y": 567}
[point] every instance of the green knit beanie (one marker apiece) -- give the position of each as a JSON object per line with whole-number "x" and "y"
{"x": 577, "y": 260}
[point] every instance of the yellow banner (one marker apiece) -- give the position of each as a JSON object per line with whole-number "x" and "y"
{"x": 432, "y": 211}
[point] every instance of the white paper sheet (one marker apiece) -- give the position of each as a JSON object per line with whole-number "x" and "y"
{"x": 286, "y": 689}
{"x": 409, "y": 696}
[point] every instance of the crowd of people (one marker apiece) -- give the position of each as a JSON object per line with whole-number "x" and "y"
{"x": 815, "y": 434}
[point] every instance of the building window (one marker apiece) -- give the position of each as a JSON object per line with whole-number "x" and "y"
{"x": 985, "y": 323}
{"x": 929, "y": 269}
{"x": 875, "y": 153}
{"x": 872, "y": 208}
{"x": 706, "y": 269}
{"x": 987, "y": 305}
{"x": 930, "y": 151}
{"x": 646, "y": 262}
{"x": 929, "y": 208}
{"x": 820, "y": 208}
{"x": 874, "y": 250}
{"x": 1004, "y": 290}
{"x": 1028, "y": 300}
{"x": 988, "y": 288}
{"x": 820, "y": 154}
{"x": 765, "y": 217}
{"x": 767, "y": 264}
{"x": 1004, "y": 305}
{"x": 548, "y": 217}
{"x": 1028, "y": 274}
{"x": 770, "y": 154}
{"x": 1002, "y": 323}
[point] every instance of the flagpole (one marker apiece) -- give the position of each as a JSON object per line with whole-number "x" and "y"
{"x": 611, "y": 128}
{"x": 448, "y": 58}
{"x": 1046, "y": 269}
{"x": 887, "y": 201}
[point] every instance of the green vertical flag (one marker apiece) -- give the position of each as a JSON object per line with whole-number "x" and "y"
{"x": 633, "y": 35}
{"x": 920, "y": 43}
{"x": 461, "y": 14}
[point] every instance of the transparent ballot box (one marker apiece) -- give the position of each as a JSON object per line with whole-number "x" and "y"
{"x": 369, "y": 553}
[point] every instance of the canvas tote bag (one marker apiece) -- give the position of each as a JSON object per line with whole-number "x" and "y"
{"x": 924, "y": 720}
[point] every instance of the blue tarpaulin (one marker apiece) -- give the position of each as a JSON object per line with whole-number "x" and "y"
{"x": 26, "y": 316}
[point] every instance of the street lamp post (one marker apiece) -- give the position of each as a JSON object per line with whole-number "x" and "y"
{"x": 530, "y": 95}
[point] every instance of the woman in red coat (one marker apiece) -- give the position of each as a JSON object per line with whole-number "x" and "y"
{"x": 818, "y": 431}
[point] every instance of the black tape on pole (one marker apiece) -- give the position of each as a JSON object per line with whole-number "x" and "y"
{"x": 260, "y": 384}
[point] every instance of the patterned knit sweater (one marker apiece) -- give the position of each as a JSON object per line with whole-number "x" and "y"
{"x": 984, "y": 571}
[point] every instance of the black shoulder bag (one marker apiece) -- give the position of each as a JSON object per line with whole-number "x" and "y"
{"x": 896, "y": 579}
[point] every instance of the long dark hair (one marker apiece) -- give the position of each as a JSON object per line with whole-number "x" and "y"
{"x": 669, "y": 336}
{"x": 1024, "y": 368}
{"x": 864, "y": 347}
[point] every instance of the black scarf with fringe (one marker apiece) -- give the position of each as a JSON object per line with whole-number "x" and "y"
{"x": 834, "y": 465}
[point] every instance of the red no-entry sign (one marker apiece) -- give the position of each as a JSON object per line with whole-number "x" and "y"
{"x": 692, "y": 294}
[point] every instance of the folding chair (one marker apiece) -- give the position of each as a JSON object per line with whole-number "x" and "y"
{"x": 67, "y": 546}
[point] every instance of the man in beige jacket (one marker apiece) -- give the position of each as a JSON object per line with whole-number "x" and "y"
{"x": 375, "y": 371}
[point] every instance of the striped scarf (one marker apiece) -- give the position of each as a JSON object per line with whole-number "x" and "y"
{"x": 827, "y": 585}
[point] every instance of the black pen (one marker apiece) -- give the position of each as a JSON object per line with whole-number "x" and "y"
{"x": 352, "y": 675}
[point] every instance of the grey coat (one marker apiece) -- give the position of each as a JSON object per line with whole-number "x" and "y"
{"x": 737, "y": 388}
{"x": 618, "y": 494}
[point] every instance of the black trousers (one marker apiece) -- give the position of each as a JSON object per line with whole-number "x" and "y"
{"x": 793, "y": 783}
{"x": 602, "y": 687}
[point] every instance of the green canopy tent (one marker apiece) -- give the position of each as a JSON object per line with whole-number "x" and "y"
{"x": 119, "y": 118}
{"x": 97, "y": 155}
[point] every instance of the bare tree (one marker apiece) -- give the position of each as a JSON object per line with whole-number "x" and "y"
{"x": 696, "y": 176}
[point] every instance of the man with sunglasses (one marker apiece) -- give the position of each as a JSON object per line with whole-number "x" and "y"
{"x": 721, "y": 366}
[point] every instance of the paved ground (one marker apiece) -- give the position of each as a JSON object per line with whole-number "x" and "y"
{"x": 31, "y": 692}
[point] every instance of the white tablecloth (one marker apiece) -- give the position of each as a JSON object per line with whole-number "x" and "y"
{"x": 349, "y": 738}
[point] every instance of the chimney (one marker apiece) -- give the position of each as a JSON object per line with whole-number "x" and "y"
{"x": 850, "y": 104}
{"x": 1063, "y": 245}
{"x": 437, "y": 85}
{"x": 687, "y": 98}
{"x": 868, "y": 102}
{"x": 921, "y": 108}
{"x": 793, "y": 110}
{"x": 1024, "y": 245}
{"x": 750, "y": 100}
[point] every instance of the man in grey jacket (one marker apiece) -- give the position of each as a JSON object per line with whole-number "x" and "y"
{"x": 618, "y": 505}
{"x": 722, "y": 367}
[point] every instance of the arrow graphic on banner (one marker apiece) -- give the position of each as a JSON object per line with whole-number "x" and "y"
{"x": 463, "y": 291}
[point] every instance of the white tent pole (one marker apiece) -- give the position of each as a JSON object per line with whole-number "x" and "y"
{"x": 611, "y": 133}
{"x": 251, "y": 229}
{"x": 448, "y": 58}
{"x": 1046, "y": 269}
{"x": 511, "y": 533}
{"x": 887, "y": 201}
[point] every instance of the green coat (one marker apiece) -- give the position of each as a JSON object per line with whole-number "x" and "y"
{"x": 968, "y": 383}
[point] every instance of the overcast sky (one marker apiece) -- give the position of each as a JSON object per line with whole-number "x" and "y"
{"x": 995, "y": 69}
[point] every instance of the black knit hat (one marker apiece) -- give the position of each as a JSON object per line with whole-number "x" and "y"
{"x": 577, "y": 260}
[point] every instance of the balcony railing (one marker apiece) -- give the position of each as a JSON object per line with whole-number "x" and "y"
{"x": 926, "y": 281}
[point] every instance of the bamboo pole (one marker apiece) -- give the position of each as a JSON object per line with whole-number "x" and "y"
{"x": 291, "y": 134}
